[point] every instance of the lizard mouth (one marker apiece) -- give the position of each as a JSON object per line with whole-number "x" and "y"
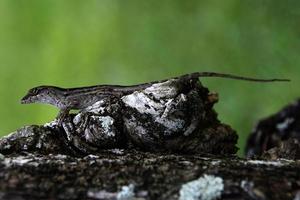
{"x": 25, "y": 100}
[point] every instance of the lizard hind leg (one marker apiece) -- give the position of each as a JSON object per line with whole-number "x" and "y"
{"x": 62, "y": 115}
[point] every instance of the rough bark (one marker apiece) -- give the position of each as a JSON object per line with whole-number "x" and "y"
{"x": 153, "y": 176}
{"x": 278, "y": 135}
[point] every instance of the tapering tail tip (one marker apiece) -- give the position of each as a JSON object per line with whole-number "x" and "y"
{"x": 282, "y": 80}
{"x": 231, "y": 76}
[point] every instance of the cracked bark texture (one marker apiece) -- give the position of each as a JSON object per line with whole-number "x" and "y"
{"x": 154, "y": 176}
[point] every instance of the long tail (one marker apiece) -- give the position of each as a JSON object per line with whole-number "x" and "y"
{"x": 194, "y": 75}
{"x": 230, "y": 76}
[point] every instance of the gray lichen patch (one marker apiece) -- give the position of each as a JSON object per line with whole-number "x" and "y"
{"x": 207, "y": 187}
{"x": 98, "y": 107}
{"x": 127, "y": 193}
{"x": 157, "y": 110}
{"x": 158, "y": 101}
{"x": 285, "y": 124}
{"x": 106, "y": 123}
{"x": 143, "y": 103}
{"x": 99, "y": 126}
{"x": 95, "y": 129}
{"x": 165, "y": 90}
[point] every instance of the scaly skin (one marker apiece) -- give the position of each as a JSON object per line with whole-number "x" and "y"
{"x": 80, "y": 98}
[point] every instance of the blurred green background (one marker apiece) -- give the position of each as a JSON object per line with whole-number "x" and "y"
{"x": 72, "y": 43}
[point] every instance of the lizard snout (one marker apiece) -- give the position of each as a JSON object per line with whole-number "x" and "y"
{"x": 26, "y": 99}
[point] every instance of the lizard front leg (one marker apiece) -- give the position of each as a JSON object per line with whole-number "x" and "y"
{"x": 62, "y": 115}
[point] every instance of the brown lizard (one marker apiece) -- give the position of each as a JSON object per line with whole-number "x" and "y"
{"x": 80, "y": 98}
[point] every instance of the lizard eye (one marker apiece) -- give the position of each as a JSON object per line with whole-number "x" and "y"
{"x": 34, "y": 91}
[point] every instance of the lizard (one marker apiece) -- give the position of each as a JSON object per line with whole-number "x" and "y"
{"x": 79, "y": 98}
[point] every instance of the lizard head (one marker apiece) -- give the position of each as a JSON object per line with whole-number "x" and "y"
{"x": 41, "y": 94}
